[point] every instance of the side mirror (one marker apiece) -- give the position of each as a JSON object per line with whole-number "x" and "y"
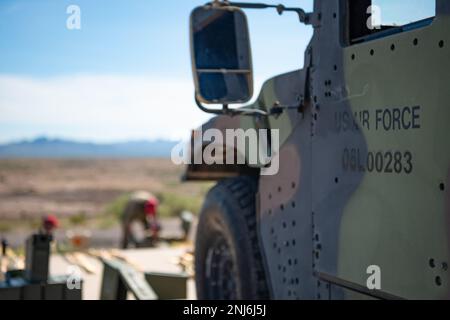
{"x": 221, "y": 55}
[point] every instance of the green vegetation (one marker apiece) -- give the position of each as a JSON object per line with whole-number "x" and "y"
{"x": 116, "y": 208}
{"x": 69, "y": 183}
{"x": 78, "y": 219}
{"x": 5, "y": 226}
{"x": 11, "y": 225}
{"x": 172, "y": 205}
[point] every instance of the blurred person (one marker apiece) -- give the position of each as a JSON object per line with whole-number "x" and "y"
{"x": 140, "y": 226}
{"x": 49, "y": 224}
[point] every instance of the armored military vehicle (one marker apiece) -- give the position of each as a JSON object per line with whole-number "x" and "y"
{"x": 360, "y": 205}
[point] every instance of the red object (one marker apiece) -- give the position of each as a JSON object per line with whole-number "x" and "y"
{"x": 151, "y": 206}
{"x": 50, "y": 223}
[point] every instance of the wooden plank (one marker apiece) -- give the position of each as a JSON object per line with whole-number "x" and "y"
{"x": 81, "y": 260}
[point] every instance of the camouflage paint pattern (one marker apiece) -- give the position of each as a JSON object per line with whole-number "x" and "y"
{"x": 353, "y": 192}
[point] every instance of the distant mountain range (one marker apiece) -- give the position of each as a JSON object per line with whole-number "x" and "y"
{"x": 56, "y": 148}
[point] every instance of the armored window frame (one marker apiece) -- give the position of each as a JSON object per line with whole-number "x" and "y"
{"x": 357, "y": 15}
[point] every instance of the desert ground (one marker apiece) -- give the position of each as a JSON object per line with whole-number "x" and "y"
{"x": 88, "y": 193}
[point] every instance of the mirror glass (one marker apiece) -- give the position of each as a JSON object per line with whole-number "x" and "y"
{"x": 221, "y": 55}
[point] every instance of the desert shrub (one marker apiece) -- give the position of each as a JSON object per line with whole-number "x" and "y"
{"x": 115, "y": 209}
{"x": 5, "y": 227}
{"x": 172, "y": 205}
{"x": 78, "y": 219}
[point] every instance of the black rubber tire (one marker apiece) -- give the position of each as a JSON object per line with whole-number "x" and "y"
{"x": 228, "y": 217}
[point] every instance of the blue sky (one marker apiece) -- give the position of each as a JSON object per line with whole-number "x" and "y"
{"x": 127, "y": 37}
{"x": 126, "y": 74}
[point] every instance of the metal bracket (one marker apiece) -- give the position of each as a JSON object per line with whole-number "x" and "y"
{"x": 275, "y": 111}
{"x": 303, "y": 16}
{"x": 226, "y": 111}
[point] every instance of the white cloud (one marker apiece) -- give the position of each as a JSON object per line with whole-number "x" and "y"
{"x": 98, "y": 107}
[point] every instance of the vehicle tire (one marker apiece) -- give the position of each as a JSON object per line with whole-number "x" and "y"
{"x": 228, "y": 260}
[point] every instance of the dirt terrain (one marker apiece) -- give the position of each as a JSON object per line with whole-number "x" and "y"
{"x": 69, "y": 189}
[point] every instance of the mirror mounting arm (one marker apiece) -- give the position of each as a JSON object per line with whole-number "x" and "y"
{"x": 275, "y": 111}
{"x": 226, "y": 111}
{"x": 303, "y": 16}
